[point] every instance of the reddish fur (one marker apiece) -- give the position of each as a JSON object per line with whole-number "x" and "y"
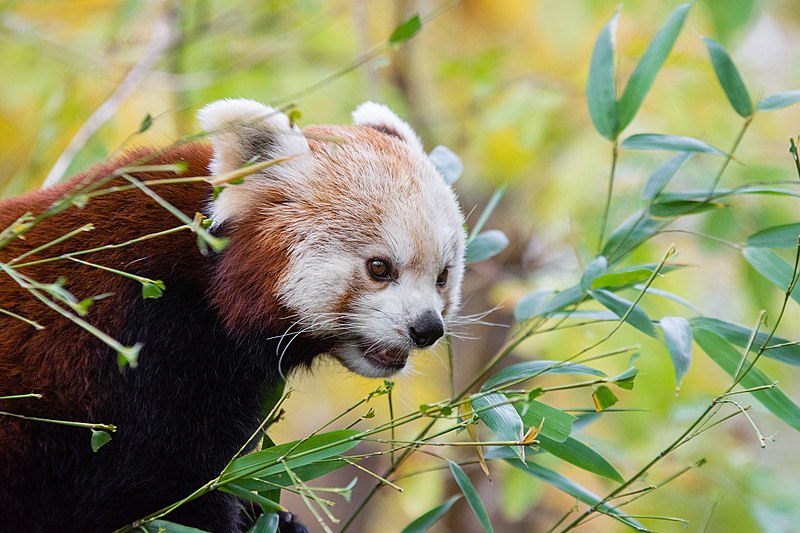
{"x": 67, "y": 380}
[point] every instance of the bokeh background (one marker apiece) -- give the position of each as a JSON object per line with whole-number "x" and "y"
{"x": 502, "y": 83}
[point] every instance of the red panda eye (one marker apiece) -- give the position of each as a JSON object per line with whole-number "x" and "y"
{"x": 441, "y": 280}
{"x": 379, "y": 269}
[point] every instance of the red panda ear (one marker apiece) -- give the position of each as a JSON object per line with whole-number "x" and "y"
{"x": 241, "y": 130}
{"x": 381, "y": 118}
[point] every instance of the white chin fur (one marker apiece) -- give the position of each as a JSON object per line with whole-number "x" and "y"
{"x": 353, "y": 359}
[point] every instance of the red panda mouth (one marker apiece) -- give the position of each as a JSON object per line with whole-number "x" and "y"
{"x": 386, "y": 357}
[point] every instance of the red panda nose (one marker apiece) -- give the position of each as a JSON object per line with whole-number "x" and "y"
{"x": 426, "y": 329}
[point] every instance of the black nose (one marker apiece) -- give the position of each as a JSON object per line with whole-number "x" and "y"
{"x": 426, "y": 329}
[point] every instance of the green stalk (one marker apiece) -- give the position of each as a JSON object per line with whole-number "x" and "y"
{"x": 609, "y": 192}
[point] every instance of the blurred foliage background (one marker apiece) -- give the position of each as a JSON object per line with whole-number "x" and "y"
{"x": 502, "y": 83}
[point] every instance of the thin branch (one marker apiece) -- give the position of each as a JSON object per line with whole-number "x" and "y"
{"x": 161, "y": 40}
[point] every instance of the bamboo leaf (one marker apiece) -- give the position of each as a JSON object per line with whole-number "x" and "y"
{"x": 662, "y": 175}
{"x": 603, "y": 398}
{"x": 728, "y": 358}
{"x": 557, "y": 423}
{"x": 729, "y": 78}
{"x": 406, "y": 30}
{"x": 501, "y": 417}
{"x": 595, "y": 269}
{"x": 99, "y": 439}
{"x": 779, "y": 100}
{"x": 147, "y": 121}
{"x": 677, "y": 208}
{"x": 678, "y": 338}
{"x": 619, "y": 306}
{"x": 627, "y": 237}
{"x": 468, "y": 489}
{"x": 622, "y": 279}
{"x": 531, "y": 304}
{"x": 675, "y": 143}
{"x": 784, "y": 236}
{"x": 241, "y": 492}
{"x": 529, "y": 369}
{"x": 266, "y": 523}
{"x": 315, "y": 448}
{"x": 773, "y": 267}
{"x": 601, "y": 94}
{"x": 579, "y": 454}
{"x": 653, "y": 59}
{"x": 164, "y": 526}
{"x": 740, "y": 336}
{"x": 486, "y": 245}
{"x": 426, "y": 521}
{"x": 564, "y": 484}
{"x": 447, "y": 163}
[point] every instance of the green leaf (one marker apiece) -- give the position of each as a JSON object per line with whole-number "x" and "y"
{"x": 595, "y": 269}
{"x": 99, "y": 439}
{"x": 501, "y": 417}
{"x": 557, "y": 423}
{"x": 266, "y": 523}
{"x": 564, "y": 484}
{"x": 282, "y": 479}
{"x": 471, "y": 495}
{"x": 626, "y": 379}
{"x": 729, "y": 78}
{"x": 678, "y": 338}
{"x": 678, "y": 208}
{"x": 491, "y": 205}
{"x": 406, "y": 30}
{"x": 773, "y": 267}
{"x": 129, "y": 356}
{"x": 530, "y": 369}
{"x": 645, "y": 73}
{"x": 265, "y": 462}
{"x": 728, "y": 358}
{"x": 426, "y": 521}
{"x": 622, "y": 279}
{"x": 740, "y": 336}
{"x": 241, "y": 492}
{"x": 487, "y": 244}
{"x": 603, "y": 398}
{"x": 163, "y": 526}
{"x": 720, "y": 193}
{"x": 447, "y": 163}
{"x": 531, "y": 304}
{"x": 562, "y": 300}
{"x": 601, "y": 94}
{"x": 147, "y": 121}
{"x": 662, "y": 175}
{"x": 784, "y": 236}
{"x": 779, "y": 100}
{"x": 675, "y": 143}
{"x": 153, "y": 289}
{"x": 620, "y": 306}
{"x": 577, "y": 453}
{"x": 634, "y": 231}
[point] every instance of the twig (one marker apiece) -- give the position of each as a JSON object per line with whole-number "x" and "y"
{"x": 161, "y": 40}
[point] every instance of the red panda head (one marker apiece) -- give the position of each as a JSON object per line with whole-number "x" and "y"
{"x": 356, "y": 241}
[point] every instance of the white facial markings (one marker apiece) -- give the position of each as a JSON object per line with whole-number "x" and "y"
{"x": 351, "y": 194}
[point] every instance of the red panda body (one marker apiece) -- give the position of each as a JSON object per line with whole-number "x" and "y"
{"x": 192, "y": 398}
{"x": 211, "y": 342}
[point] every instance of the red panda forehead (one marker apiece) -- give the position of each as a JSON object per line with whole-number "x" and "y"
{"x": 379, "y": 181}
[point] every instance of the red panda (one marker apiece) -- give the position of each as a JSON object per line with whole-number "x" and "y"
{"x": 352, "y": 248}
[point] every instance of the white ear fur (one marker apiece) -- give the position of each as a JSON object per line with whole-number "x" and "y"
{"x": 241, "y": 129}
{"x": 381, "y": 118}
